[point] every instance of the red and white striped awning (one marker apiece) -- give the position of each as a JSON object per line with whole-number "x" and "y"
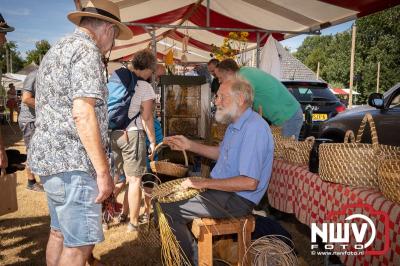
{"x": 282, "y": 17}
{"x": 340, "y": 91}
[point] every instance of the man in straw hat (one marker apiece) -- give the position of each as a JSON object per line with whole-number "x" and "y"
{"x": 4, "y": 28}
{"x": 244, "y": 163}
{"x": 68, "y": 148}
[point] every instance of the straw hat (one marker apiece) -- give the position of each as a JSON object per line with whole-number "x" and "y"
{"x": 104, "y": 10}
{"x": 4, "y": 27}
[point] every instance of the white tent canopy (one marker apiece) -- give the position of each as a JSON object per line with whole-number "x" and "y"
{"x": 282, "y": 18}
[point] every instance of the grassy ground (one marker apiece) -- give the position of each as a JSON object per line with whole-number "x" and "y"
{"x": 23, "y": 234}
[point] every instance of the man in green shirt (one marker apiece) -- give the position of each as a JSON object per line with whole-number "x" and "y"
{"x": 278, "y": 105}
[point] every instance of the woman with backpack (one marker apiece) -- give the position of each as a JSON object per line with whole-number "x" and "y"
{"x": 129, "y": 144}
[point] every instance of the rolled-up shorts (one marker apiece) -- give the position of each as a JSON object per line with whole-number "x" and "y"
{"x": 73, "y": 211}
{"x": 129, "y": 152}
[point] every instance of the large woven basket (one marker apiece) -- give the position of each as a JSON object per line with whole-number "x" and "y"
{"x": 172, "y": 191}
{"x": 389, "y": 177}
{"x": 352, "y": 162}
{"x": 298, "y": 152}
{"x": 280, "y": 142}
{"x": 168, "y": 168}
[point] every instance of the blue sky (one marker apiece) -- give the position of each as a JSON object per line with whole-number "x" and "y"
{"x": 36, "y": 20}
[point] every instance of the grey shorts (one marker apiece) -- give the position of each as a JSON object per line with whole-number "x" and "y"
{"x": 129, "y": 152}
{"x": 27, "y": 131}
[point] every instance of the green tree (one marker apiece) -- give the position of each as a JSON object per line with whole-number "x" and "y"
{"x": 14, "y": 56}
{"x": 37, "y": 54}
{"x": 376, "y": 41}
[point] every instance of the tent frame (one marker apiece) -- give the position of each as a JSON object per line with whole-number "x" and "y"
{"x": 152, "y": 27}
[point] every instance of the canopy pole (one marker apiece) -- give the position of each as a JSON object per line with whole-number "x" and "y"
{"x": 78, "y": 4}
{"x": 154, "y": 48}
{"x": 353, "y": 48}
{"x": 258, "y": 50}
{"x": 208, "y": 14}
{"x": 377, "y": 77}
{"x": 158, "y": 25}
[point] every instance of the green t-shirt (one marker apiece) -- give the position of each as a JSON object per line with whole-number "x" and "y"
{"x": 278, "y": 104}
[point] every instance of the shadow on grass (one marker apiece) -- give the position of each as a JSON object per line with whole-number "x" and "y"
{"x": 144, "y": 250}
{"x": 24, "y": 238}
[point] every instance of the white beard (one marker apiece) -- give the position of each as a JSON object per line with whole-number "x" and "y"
{"x": 226, "y": 115}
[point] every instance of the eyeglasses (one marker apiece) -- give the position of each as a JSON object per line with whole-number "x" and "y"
{"x": 220, "y": 97}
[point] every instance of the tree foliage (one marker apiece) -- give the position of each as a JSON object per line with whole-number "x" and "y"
{"x": 37, "y": 54}
{"x": 14, "y": 55}
{"x": 377, "y": 40}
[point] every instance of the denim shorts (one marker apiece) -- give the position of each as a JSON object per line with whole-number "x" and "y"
{"x": 73, "y": 211}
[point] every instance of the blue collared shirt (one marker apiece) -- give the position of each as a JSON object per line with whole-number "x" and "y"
{"x": 248, "y": 150}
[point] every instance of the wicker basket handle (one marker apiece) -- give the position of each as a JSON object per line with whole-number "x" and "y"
{"x": 160, "y": 145}
{"x": 349, "y": 137}
{"x": 374, "y": 135}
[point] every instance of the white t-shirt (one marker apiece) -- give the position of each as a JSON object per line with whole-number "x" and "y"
{"x": 143, "y": 92}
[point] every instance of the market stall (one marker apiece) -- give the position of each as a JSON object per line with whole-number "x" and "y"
{"x": 293, "y": 189}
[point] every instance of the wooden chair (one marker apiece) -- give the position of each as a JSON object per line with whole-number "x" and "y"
{"x": 205, "y": 228}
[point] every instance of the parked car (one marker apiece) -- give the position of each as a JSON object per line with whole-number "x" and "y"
{"x": 323, "y": 102}
{"x": 385, "y": 109}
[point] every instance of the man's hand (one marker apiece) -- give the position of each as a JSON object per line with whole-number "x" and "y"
{"x": 106, "y": 186}
{"x": 194, "y": 183}
{"x": 178, "y": 142}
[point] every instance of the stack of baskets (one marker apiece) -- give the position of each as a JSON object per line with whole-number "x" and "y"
{"x": 167, "y": 168}
{"x": 298, "y": 152}
{"x": 280, "y": 142}
{"x": 352, "y": 162}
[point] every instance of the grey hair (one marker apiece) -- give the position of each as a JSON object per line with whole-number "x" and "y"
{"x": 239, "y": 85}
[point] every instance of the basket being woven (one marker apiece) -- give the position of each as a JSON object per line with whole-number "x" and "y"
{"x": 298, "y": 152}
{"x": 280, "y": 141}
{"x": 172, "y": 191}
{"x": 389, "y": 177}
{"x": 352, "y": 162}
{"x": 168, "y": 168}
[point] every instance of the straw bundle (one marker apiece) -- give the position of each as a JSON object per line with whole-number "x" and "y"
{"x": 168, "y": 168}
{"x": 280, "y": 141}
{"x": 172, "y": 191}
{"x": 298, "y": 152}
{"x": 389, "y": 178}
{"x": 352, "y": 162}
{"x": 171, "y": 251}
{"x": 271, "y": 250}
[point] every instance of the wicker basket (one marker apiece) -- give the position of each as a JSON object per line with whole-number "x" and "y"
{"x": 389, "y": 177}
{"x": 353, "y": 163}
{"x": 298, "y": 152}
{"x": 172, "y": 191}
{"x": 168, "y": 168}
{"x": 280, "y": 141}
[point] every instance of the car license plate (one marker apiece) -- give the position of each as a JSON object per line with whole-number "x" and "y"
{"x": 319, "y": 117}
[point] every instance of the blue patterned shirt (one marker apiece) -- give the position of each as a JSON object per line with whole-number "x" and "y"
{"x": 71, "y": 69}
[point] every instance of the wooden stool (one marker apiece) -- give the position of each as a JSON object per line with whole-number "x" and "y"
{"x": 205, "y": 228}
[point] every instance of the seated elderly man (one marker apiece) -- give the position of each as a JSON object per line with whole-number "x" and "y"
{"x": 242, "y": 172}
